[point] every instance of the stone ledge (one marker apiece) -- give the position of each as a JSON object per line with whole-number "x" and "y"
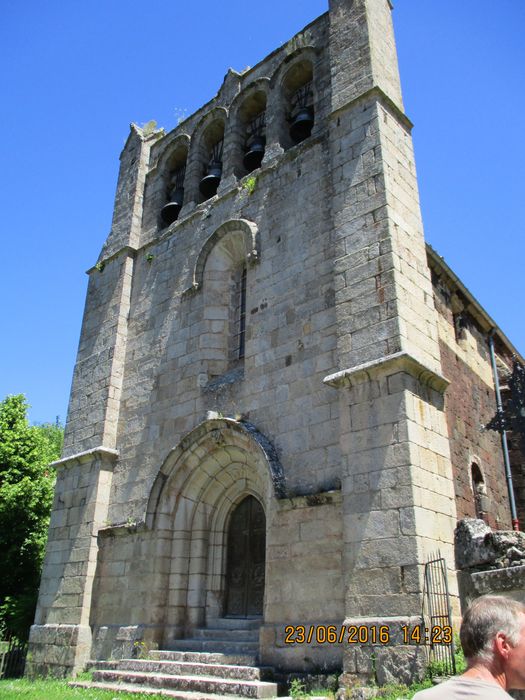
{"x": 121, "y": 529}
{"x": 397, "y": 362}
{"x": 381, "y": 96}
{"x": 127, "y": 249}
{"x": 105, "y": 453}
{"x": 509, "y": 579}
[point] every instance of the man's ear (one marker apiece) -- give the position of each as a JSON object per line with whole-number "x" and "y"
{"x": 501, "y": 645}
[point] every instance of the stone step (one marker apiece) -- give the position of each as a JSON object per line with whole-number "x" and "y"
{"x": 200, "y": 657}
{"x": 236, "y": 635}
{"x": 185, "y": 668}
{"x": 237, "y": 623}
{"x": 95, "y": 664}
{"x": 146, "y": 690}
{"x": 213, "y": 646}
{"x": 200, "y": 684}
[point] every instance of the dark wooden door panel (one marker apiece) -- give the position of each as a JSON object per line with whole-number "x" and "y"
{"x": 246, "y": 560}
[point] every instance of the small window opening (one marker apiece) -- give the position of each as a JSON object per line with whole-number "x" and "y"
{"x": 239, "y": 316}
{"x": 175, "y": 195}
{"x": 210, "y": 182}
{"x": 480, "y": 492}
{"x": 460, "y": 326}
{"x": 255, "y": 142}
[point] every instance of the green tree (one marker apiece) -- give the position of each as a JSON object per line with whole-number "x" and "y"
{"x": 26, "y": 495}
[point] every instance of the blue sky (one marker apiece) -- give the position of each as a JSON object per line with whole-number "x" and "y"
{"x": 76, "y": 73}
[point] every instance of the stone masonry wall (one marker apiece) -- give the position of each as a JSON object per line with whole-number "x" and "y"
{"x": 470, "y": 404}
{"x": 290, "y": 337}
{"x": 517, "y": 460}
{"x": 128, "y": 593}
{"x": 304, "y": 565}
{"x": 60, "y": 639}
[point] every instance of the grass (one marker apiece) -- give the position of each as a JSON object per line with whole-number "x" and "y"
{"x": 398, "y": 692}
{"x": 59, "y": 690}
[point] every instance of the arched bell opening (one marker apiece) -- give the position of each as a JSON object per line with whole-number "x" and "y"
{"x": 211, "y": 165}
{"x": 298, "y": 97}
{"x": 252, "y": 115}
{"x": 245, "y": 560}
{"x": 174, "y": 175}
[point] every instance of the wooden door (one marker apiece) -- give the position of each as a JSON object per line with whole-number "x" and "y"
{"x": 246, "y": 560}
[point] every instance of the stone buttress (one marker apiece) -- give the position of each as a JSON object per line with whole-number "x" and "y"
{"x": 398, "y": 497}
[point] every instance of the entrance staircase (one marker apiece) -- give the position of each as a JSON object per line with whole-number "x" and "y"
{"x": 218, "y": 662}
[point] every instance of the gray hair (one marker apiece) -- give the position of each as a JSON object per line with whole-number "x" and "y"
{"x": 484, "y": 618}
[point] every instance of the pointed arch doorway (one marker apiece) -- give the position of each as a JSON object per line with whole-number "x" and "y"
{"x": 246, "y": 558}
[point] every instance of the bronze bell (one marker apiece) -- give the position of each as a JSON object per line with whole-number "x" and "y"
{"x": 302, "y": 124}
{"x": 255, "y": 153}
{"x": 171, "y": 210}
{"x": 209, "y": 183}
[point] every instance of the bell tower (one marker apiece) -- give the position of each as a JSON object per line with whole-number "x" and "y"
{"x": 256, "y": 424}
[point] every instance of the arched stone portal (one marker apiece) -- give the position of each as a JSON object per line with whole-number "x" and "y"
{"x": 202, "y": 484}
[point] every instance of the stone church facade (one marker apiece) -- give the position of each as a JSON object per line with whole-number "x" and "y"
{"x": 277, "y": 400}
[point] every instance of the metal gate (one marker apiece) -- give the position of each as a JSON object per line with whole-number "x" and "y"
{"x": 438, "y": 618}
{"x": 12, "y": 658}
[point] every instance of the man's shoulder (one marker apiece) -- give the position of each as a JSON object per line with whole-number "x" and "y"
{"x": 437, "y": 691}
{"x": 462, "y": 688}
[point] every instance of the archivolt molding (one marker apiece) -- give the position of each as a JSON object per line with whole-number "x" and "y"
{"x": 215, "y": 114}
{"x": 180, "y": 140}
{"x": 250, "y": 234}
{"x": 308, "y": 52}
{"x": 261, "y": 84}
{"x": 218, "y": 461}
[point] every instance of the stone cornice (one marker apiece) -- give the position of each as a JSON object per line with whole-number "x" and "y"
{"x": 122, "y": 529}
{"x": 377, "y": 93}
{"x": 397, "y": 362}
{"x": 105, "y": 453}
{"x": 440, "y": 267}
{"x": 127, "y": 249}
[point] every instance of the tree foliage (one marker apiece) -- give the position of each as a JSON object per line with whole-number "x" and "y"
{"x": 26, "y": 494}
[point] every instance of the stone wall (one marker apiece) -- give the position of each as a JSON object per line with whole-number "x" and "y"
{"x": 305, "y": 552}
{"x": 470, "y": 405}
{"x": 60, "y": 639}
{"x": 127, "y": 596}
